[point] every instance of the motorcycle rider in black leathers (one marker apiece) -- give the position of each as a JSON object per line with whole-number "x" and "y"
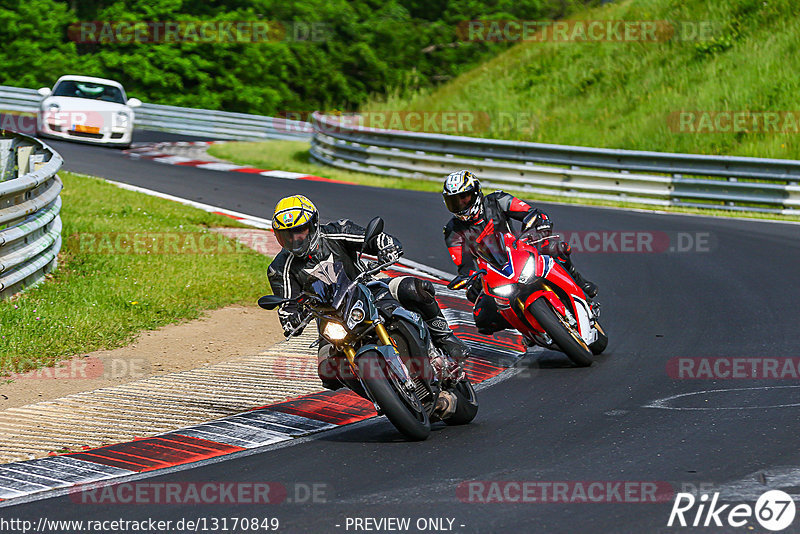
{"x": 471, "y": 213}
{"x": 306, "y": 243}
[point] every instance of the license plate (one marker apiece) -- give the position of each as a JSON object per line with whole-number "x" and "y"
{"x": 86, "y": 129}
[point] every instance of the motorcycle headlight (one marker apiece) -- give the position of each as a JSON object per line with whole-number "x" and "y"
{"x": 334, "y": 331}
{"x": 356, "y": 316}
{"x": 504, "y": 291}
{"x": 528, "y": 271}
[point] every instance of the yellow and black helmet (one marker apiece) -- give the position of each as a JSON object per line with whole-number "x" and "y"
{"x": 296, "y": 224}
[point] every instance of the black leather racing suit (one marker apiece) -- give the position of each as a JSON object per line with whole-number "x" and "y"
{"x": 343, "y": 240}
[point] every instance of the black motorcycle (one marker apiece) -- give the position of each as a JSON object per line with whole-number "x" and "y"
{"x": 385, "y": 352}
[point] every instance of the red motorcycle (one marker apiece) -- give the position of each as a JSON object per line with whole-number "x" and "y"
{"x": 535, "y": 294}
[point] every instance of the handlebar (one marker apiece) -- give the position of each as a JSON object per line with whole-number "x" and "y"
{"x": 372, "y": 269}
{"x": 310, "y": 313}
{"x": 303, "y": 324}
{"x": 460, "y": 282}
{"x": 526, "y": 236}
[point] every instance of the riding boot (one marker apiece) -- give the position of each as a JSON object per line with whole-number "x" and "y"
{"x": 446, "y": 405}
{"x": 443, "y": 338}
{"x": 590, "y": 288}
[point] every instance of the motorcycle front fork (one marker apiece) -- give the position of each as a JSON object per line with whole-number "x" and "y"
{"x": 383, "y": 337}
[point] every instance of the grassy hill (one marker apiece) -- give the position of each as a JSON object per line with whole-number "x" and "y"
{"x": 629, "y": 94}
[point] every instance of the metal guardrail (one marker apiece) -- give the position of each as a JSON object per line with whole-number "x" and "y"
{"x": 18, "y": 99}
{"x": 188, "y": 121}
{"x": 219, "y": 124}
{"x": 30, "y": 226}
{"x": 719, "y": 182}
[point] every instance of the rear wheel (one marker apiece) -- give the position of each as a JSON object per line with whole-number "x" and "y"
{"x": 565, "y": 336}
{"x": 466, "y": 405}
{"x": 401, "y": 407}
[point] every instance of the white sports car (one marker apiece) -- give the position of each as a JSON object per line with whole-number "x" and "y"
{"x": 84, "y": 108}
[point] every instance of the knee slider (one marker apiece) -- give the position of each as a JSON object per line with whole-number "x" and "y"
{"x": 411, "y": 289}
{"x": 425, "y": 290}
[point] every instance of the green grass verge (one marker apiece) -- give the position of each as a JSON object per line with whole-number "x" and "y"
{"x": 101, "y": 300}
{"x": 624, "y": 94}
{"x": 294, "y": 156}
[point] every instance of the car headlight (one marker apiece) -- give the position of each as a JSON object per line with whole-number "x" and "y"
{"x": 122, "y": 119}
{"x": 334, "y": 331}
{"x": 53, "y": 107}
{"x": 504, "y": 291}
{"x": 528, "y": 271}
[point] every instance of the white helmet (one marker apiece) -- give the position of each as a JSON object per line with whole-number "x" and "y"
{"x": 463, "y": 196}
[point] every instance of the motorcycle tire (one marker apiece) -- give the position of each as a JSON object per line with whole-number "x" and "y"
{"x": 409, "y": 417}
{"x": 466, "y": 405}
{"x": 601, "y": 342}
{"x": 566, "y": 337}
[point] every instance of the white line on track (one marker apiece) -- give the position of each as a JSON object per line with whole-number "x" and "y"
{"x": 664, "y": 403}
{"x": 257, "y": 222}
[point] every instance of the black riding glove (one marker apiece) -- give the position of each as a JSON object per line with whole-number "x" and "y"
{"x": 474, "y": 290}
{"x": 556, "y": 248}
{"x": 390, "y": 254}
{"x": 537, "y": 222}
{"x": 291, "y": 323}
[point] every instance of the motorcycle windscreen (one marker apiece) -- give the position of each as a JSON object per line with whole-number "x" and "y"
{"x": 492, "y": 250}
{"x": 331, "y": 282}
{"x": 344, "y": 287}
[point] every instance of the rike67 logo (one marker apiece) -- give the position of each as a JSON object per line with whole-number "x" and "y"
{"x": 774, "y": 510}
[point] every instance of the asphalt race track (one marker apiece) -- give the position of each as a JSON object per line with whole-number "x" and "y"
{"x": 734, "y": 296}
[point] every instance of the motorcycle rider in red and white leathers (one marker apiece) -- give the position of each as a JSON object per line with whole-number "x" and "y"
{"x": 471, "y": 213}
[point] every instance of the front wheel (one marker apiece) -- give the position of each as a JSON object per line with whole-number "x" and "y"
{"x": 402, "y": 408}
{"x": 601, "y": 342}
{"x": 466, "y": 404}
{"x": 564, "y": 335}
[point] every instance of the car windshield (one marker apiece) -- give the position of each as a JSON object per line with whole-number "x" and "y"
{"x": 92, "y": 91}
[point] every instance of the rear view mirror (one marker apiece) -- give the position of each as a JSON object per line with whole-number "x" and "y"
{"x": 44, "y": 91}
{"x": 374, "y": 229}
{"x": 270, "y": 302}
{"x": 134, "y": 102}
